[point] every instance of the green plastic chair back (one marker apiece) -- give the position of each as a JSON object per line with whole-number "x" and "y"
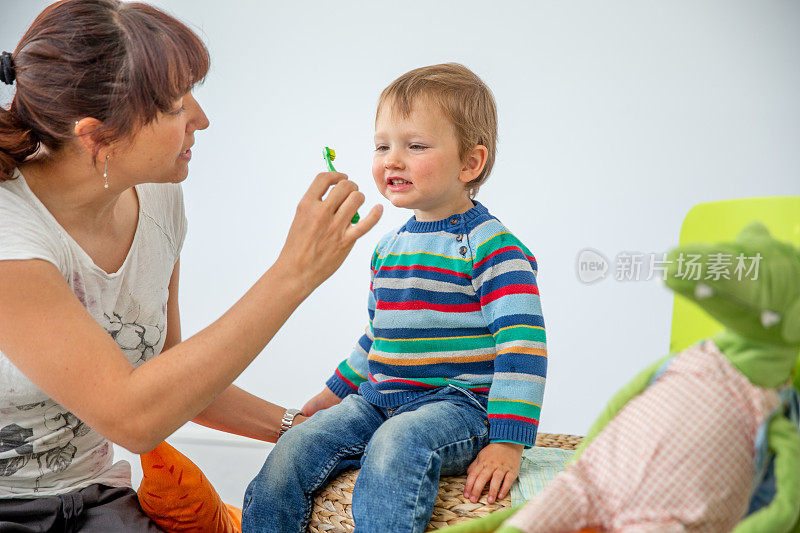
{"x": 722, "y": 221}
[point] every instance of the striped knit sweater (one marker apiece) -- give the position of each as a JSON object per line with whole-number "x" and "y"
{"x": 453, "y": 302}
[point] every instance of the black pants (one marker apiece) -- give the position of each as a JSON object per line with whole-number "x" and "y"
{"x": 95, "y": 509}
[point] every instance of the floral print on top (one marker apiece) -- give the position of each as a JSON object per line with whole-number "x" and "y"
{"x": 44, "y": 448}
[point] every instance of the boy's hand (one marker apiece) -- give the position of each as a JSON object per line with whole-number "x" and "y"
{"x": 323, "y": 400}
{"x": 498, "y": 464}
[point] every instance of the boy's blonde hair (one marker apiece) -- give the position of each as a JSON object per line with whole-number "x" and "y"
{"x": 463, "y": 98}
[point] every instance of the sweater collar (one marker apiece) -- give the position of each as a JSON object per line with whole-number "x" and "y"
{"x": 451, "y": 222}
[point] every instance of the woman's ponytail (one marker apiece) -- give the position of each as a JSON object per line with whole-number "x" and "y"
{"x": 16, "y": 144}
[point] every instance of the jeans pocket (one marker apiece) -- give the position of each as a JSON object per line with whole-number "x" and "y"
{"x": 470, "y": 395}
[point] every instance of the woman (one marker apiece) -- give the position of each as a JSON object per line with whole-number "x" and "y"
{"x": 96, "y": 139}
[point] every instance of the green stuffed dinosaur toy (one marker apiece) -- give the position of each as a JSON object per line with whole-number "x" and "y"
{"x": 687, "y": 443}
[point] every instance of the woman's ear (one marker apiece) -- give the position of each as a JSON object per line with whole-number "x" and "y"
{"x": 474, "y": 163}
{"x": 85, "y": 129}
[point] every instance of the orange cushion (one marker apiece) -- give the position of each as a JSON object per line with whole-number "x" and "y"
{"x": 177, "y": 496}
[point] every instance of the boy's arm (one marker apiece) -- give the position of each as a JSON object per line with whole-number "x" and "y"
{"x": 504, "y": 278}
{"x": 354, "y": 370}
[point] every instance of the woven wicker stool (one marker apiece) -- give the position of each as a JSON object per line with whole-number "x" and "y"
{"x": 332, "y": 511}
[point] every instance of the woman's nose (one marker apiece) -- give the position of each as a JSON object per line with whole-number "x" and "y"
{"x": 199, "y": 119}
{"x": 202, "y": 121}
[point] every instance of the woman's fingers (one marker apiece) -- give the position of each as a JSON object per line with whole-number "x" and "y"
{"x": 348, "y": 207}
{"x": 322, "y": 183}
{"x": 366, "y": 223}
{"x": 340, "y": 193}
{"x": 343, "y": 201}
{"x": 321, "y": 235}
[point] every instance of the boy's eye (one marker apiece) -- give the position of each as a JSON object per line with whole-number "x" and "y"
{"x": 381, "y": 148}
{"x": 417, "y": 147}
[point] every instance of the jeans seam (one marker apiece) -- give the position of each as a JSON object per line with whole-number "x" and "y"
{"x": 419, "y": 488}
{"x": 430, "y": 458}
{"x": 326, "y": 470}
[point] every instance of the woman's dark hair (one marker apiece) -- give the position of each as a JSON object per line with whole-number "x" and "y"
{"x": 121, "y": 63}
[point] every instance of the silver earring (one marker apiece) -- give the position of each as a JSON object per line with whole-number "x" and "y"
{"x": 105, "y": 172}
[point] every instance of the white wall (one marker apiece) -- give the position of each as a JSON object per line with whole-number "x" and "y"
{"x": 615, "y": 119}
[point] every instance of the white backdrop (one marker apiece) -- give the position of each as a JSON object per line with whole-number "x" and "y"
{"x": 615, "y": 119}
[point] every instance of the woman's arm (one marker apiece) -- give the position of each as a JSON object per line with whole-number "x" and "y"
{"x": 49, "y": 336}
{"x": 233, "y": 411}
{"x": 241, "y": 413}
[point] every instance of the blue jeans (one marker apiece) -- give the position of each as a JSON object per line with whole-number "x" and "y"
{"x": 401, "y": 452}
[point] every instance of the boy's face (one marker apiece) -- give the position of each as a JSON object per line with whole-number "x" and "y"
{"x": 417, "y": 164}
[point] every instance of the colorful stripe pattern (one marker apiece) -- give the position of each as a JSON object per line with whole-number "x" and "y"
{"x": 453, "y": 302}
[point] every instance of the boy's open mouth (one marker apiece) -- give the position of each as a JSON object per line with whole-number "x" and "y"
{"x": 395, "y": 184}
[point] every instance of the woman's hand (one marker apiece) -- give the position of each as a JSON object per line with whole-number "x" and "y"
{"x": 323, "y": 400}
{"x": 321, "y": 235}
{"x": 497, "y": 464}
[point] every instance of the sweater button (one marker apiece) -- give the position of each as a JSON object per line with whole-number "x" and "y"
{"x": 454, "y": 221}
{"x": 459, "y": 237}
{"x": 463, "y": 250}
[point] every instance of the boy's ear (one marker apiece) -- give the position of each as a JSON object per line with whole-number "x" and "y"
{"x": 474, "y": 163}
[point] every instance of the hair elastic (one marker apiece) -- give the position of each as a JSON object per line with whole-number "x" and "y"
{"x": 7, "y": 74}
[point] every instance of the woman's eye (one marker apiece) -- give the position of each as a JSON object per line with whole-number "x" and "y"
{"x": 178, "y": 111}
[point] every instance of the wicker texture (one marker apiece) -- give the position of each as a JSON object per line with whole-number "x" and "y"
{"x": 332, "y": 505}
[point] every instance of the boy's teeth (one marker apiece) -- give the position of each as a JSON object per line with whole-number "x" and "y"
{"x": 398, "y": 181}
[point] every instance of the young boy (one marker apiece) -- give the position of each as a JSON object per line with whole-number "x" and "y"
{"x": 450, "y": 372}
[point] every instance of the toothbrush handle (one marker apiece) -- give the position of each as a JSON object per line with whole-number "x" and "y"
{"x": 356, "y": 217}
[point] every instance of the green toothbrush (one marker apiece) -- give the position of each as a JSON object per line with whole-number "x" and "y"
{"x": 330, "y": 154}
